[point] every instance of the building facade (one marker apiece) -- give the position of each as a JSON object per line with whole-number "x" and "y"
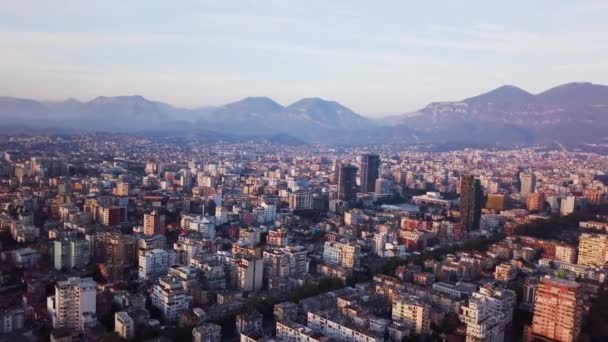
{"x": 75, "y": 299}
{"x": 471, "y": 198}
{"x": 558, "y": 310}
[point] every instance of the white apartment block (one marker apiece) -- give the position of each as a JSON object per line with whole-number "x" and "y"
{"x": 74, "y": 301}
{"x": 487, "y": 314}
{"x": 290, "y": 331}
{"x": 323, "y": 323}
{"x": 343, "y": 254}
{"x": 203, "y": 224}
{"x": 250, "y": 274}
{"x": 169, "y": 296}
{"x": 155, "y": 263}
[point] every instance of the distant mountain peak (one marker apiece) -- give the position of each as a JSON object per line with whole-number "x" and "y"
{"x": 119, "y": 99}
{"x": 579, "y": 93}
{"x": 317, "y": 104}
{"x": 255, "y": 104}
{"x": 574, "y": 87}
{"x": 258, "y": 99}
{"x": 314, "y": 100}
{"x": 71, "y": 100}
{"x": 503, "y": 94}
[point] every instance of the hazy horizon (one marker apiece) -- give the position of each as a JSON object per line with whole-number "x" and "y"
{"x": 376, "y": 60}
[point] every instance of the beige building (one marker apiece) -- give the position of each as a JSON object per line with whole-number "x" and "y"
{"x": 154, "y": 223}
{"x": 505, "y": 272}
{"x": 343, "y": 254}
{"x": 413, "y": 312}
{"x": 121, "y": 189}
{"x": 74, "y": 303}
{"x": 592, "y": 249}
{"x": 124, "y": 325}
{"x": 565, "y": 253}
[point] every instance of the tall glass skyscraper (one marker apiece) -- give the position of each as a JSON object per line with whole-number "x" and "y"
{"x": 370, "y": 163}
{"x": 347, "y": 183}
{"x": 471, "y": 198}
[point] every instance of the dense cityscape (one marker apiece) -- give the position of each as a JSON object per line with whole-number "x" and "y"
{"x": 303, "y": 171}
{"x": 112, "y": 237}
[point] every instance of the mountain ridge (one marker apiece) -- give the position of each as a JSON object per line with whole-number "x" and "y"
{"x": 568, "y": 113}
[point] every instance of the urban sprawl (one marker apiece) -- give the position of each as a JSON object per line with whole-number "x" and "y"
{"x": 109, "y": 237}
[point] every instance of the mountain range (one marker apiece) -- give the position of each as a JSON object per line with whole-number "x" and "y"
{"x": 573, "y": 113}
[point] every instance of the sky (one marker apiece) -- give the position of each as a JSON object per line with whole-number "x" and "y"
{"x": 376, "y": 57}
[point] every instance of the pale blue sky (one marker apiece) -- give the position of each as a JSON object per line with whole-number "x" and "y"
{"x": 377, "y": 57}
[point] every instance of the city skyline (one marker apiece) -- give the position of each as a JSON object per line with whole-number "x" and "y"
{"x": 261, "y": 241}
{"x": 379, "y": 60}
{"x": 264, "y": 171}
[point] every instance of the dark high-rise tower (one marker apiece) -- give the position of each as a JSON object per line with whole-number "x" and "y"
{"x": 369, "y": 171}
{"x": 471, "y": 198}
{"x": 347, "y": 183}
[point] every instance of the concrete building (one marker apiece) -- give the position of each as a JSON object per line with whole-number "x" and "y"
{"x": 505, "y": 272}
{"x": 268, "y": 212}
{"x": 343, "y": 254}
{"x": 199, "y": 223}
{"x": 70, "y": 254}
{"x": 207, "y": 332}
{"x": 535, "y": 201}
{"x": 566, "y": 253}
{"x": 74, "y": 301}
{"x": 117, "y": 251}
{"x": 568, "y": 205}
{"x": 155, "y": 263}
{"x": 301, "y": 201}
{"x": 11, "y": 320}
{"x": 370, "y": 164}
{"x": 22, "y": 258}
{"x": 111, "y": 215}
{"x": 169, "y": 296}
{"x": 277, "y": 237}
{"x": 250, "y": 274}
{"x": 115, "y": 248}
{"x": 471, "y": 198}
{"x": 124, "y": 325}
{"x": 379, "y": 243}
{"x": 496, "y": 202}
{"x": 333, "y": 326}
{"x": 249, "y": 323}
{"x": 122, "y": 189}
{"x": 286, "y": 311}
{"x": 154, "y": 223}
{"x": 412, "y": 312}
{"x": 558, "y": 310}
{"x": 528, "y": 184}
{"x": 487, "y": 313}
{"x": 433, "y": 199}
{"x": 354, "y": 216}
{"x": 592, "y": 249}
{"x": 347, "y": 183}
{"x": 296, "y": 332}
{"x": 298, "y": 261}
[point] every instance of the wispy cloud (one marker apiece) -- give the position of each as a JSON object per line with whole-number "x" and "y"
{"x": 373, "y": 57}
